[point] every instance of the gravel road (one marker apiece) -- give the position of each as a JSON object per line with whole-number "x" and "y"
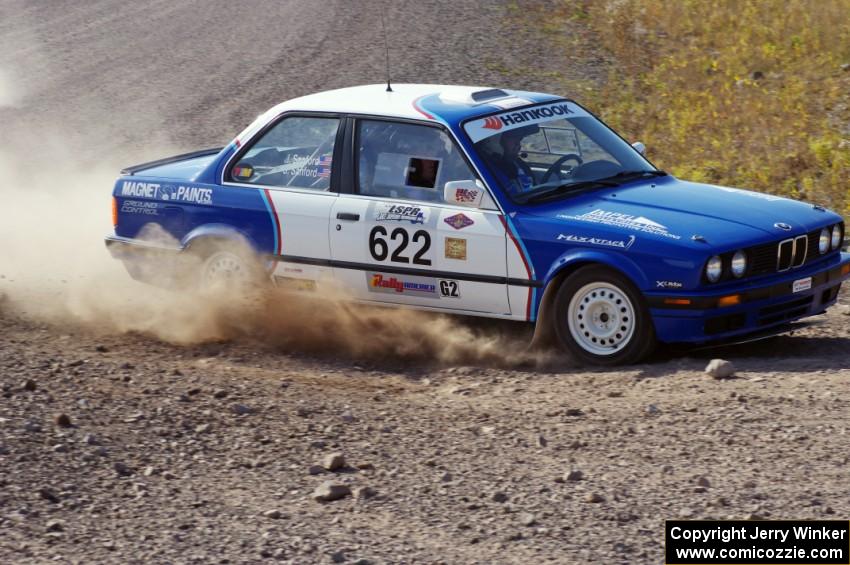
{"x": 122, "y": 441}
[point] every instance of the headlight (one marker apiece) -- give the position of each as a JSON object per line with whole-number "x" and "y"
{"x": 739, "y": 264}
{"x": 714, "y": 268}
{"x": 823, "y": 242}
{"x": 836, "y": 236}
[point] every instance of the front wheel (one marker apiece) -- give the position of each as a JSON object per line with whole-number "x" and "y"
{"x": 602, "y": 319}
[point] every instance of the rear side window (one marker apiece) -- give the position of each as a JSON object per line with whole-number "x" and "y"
{"x": 297, "y": 153}
{"x": 406, "y": 161}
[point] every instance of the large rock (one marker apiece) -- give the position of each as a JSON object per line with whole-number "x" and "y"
{"x": 330, "y": 491}
{"x": 334, "y": 461}
{"x": 720, "y": 369}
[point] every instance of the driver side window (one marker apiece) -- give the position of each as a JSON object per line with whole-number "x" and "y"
{"x": 297, "y": 152}
{"x": 406, "y": 161}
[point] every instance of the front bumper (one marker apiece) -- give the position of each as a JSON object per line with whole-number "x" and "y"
{"x": 704, "y": 317}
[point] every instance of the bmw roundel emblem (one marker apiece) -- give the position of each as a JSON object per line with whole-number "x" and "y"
{"x": 782, "y": 226}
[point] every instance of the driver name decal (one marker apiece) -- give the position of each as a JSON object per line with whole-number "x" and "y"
{"x": 627, "y": 221}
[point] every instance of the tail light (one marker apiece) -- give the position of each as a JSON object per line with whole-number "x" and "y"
{"x": 114, "y": 212}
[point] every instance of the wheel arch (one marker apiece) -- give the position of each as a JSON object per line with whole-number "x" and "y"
{"x": 568, "y": 264}
{"x": 209, "y": 233}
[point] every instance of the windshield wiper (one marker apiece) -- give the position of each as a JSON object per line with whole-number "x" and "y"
{"x": 566, "y": 189}
{"x": 628, "y": 175}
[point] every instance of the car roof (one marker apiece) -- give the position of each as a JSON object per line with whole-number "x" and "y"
{"x": 444, "y": 103}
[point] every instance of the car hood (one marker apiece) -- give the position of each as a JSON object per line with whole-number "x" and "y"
{"x": 671, "y": 210}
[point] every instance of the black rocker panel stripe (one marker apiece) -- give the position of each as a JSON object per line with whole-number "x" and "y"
{"x": 405, "y": 271}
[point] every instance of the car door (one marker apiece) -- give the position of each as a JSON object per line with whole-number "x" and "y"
{"x": 395, "y": 239}
{"x": 292, "y": 163}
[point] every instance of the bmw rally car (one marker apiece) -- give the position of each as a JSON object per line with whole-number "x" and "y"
{"x": 500, "y": 203}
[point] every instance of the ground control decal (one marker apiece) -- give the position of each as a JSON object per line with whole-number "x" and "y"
{"x": 626, "y": 221}
{"x": 616, "y": 243}
{"x": 170, "y": 192}
{"x": 139, "y": 207}
{"x": 512, "y": 119}
{"x": 424, "y": 287}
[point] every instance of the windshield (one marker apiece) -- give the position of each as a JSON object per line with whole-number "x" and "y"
{"x": 553, "y": 150}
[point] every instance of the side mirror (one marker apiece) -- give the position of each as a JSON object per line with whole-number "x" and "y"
{"x": 639, "y": 147}
{"x": 464, "y": 193}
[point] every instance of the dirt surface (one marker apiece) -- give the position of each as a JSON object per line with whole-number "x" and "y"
{"x": 141, "y": 428}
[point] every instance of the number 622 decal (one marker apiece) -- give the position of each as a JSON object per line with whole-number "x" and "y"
{"x": 379, "y": 245}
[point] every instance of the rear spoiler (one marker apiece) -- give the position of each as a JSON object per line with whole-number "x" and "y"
{"x": 202, "y": 153}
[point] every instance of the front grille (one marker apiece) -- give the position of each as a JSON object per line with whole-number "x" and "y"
{"x": 785, "y": 255}
{"x": 801, "y": 250}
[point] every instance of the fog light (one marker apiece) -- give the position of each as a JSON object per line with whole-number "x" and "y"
{"x": 714, "y": 268}
{"x": 824, "y": 241}
{"x": 739, "y": 264}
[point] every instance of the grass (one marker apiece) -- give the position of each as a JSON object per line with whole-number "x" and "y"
{"x": 736, "y": 92}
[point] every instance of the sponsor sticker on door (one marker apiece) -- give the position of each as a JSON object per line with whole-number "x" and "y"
{"x": 456, "y": 248}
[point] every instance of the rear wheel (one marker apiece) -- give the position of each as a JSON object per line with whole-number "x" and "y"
{"x": 229, "y": 266}
{"x": 601, "y": 318}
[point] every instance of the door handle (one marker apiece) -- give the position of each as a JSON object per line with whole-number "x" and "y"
{"x": 347, "y": 216}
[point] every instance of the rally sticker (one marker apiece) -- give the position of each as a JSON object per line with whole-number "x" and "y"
{"x": 401, "y": 213}
{"x": 424, "y": 287}
{"x": 171, "y": 192}
{"x": 139, "y": 207}
{"x": 459, "y": 221}
{"x": 802, "y": 284}
{"x": 456, "y": 248}
{"x": 512, "y": 119}
{"x": 627, "y": 221}
{"x": 617, "y": 243}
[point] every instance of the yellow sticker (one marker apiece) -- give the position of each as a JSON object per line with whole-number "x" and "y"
{"x": 456, "y": 248}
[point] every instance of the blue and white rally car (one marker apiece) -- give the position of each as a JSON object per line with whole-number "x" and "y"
{"x": 488, "y": 202}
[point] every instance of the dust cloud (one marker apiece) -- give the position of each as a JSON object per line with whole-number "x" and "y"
{"x": 54, "y": 268}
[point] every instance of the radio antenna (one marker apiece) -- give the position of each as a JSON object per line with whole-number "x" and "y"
{"x": 387, "y": 48}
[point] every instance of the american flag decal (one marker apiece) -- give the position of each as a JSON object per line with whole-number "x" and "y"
{"x": 325, "y": 166}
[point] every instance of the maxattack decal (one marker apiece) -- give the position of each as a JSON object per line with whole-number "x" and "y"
{"x": 459, "y": 221}
{"x": 627, "y": 221}
{"x": 401, "y": 213}
{"x": 456, "y": 248}
{"x": 617, "y": 243}
{"x": 415, "y": 286}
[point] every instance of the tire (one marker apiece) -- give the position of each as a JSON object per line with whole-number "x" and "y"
{"x": 228, "y": 266}
{"x": 600, "y": 318}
